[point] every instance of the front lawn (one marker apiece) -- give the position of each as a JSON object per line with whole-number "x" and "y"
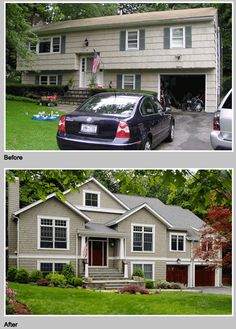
{"x": 47, "y": 300}
{"x": 23, "y": 133}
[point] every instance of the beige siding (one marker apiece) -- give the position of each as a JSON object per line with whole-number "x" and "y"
{"x": 29, "y": 229}
{"x": 29, "y": 77}
{"x": 106, "y": 201}
{"x": 100, "y": 217}
{"x": 32, "y": 264}
{"x": 13, "y": 205}
{"x": 159, "y": 268}
{"x": 145, "y": 217}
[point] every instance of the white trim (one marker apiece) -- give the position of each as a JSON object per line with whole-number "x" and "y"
{"x": 44, "y": 256}
{"x": 123, "y": 80}
{"x": 98, "y": 193}
{"x": 142, "y": 263}
{"x": 184, "y": 241}
{"x": 53, "y": 218}
{"x": 153, "y": 237}
{"x": 53, "y": 262}
{"x": 48, "y": 79}
{"x": 171, "y": 36}
{"x": 106, "y": 210}
{"x": 126, "y": 39}
{"x": 146, "y": 206}
{"x": 51, "y": 45}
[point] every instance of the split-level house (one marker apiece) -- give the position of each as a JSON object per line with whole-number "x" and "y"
{"x": 97, "y": 231}
{"x": 178, "y": 50}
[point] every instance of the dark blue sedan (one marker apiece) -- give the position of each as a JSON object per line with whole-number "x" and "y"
{"x": 116, "y": 121}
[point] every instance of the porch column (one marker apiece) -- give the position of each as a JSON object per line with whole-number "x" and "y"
{"x": 218, "y": 276}
{"x": 86, "y": 274}
{"x": 83, "y": 246}
{"x": 122, "y": 249}
{"x": 126, "y": 275}
{"x": 190, "y": 275}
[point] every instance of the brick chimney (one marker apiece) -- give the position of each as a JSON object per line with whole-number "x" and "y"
{"x": 13, "y": 205}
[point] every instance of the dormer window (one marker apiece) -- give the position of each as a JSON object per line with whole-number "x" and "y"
{"x": 91, "y": 199}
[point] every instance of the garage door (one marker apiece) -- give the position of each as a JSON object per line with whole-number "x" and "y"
{"x": 177, "y": 273}
{"x": 204, "y": 276}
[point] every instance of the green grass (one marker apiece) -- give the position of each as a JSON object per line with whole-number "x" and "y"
{"x": 23, "y": 133}
{"x": 46, "y": 300}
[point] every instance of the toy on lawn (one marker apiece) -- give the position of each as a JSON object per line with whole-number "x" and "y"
{"x": 42, "y": 116}
{"x": 49, "y": 100}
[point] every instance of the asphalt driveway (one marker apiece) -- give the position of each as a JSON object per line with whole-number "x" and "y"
{"x": 214, "y": 290}
{"x": 192, "y": 131}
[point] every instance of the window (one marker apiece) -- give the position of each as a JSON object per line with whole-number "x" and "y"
{"x": 33, "y": 46}
{"x": 228, "y": 102}
{"x": 48, "y": 80}
{"x": 177, "y": 242}
{"x": 91, "y": 199}
{"x": 177, "y": 37}
{"x": 49, "y": 45}
{"x": 147, "y": 270}
{"x": 148, "y": 107}
{"x": 47, "y": 268}
{"x": 54, "y": 233}
{"x": 128, "y": 81}
{"x": 143, "y": 238}
{"x": 132, "y": 39}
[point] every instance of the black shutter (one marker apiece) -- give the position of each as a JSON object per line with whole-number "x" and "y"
{"x": 37, "y": 79}
{"x": 122, "y": 40}
{"x": 138, "y": 82}
{"x": 63, "y": 44}
{"x": 166, "y": 38}
{"x": 119, "y": 81}
{"x": 141, "y": 39}
{"x": 188, "y": 37}
{"x": 59, "y": 80}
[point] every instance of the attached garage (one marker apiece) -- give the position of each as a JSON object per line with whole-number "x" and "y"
{"x": 177, "y": 273}
{"x": 204, "y": 276}
{"x": 180, "y": 86}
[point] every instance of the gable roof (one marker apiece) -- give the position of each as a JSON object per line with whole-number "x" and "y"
{"x": 66, "y": 203}
{"x": 177, "y": 217}
{"x": 150, "y": 18}
{"x": 136, "y": 209}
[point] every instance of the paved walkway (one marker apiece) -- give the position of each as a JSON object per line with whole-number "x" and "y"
{"x": 192, "y": 131}
{"x": 214, "y": 290}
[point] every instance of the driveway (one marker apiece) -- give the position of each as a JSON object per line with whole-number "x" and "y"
{"x": 214, "y": 290}
{"x": 192, "y": 131}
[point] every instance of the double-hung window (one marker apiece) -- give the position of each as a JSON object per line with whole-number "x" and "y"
{"x": 132, "y": 38}
{"x": 49, "y": 45}
{"x": 177, "y": 242}
{"x": 146, "y": 268}
{"x": 48, "y": 79}
{"x": 54, "y": 233}
{"x": 143, "y": 238}
{"x": 48, "y": 267}
{"x": 129, "y": 81}
{"x": 177, "y": 37}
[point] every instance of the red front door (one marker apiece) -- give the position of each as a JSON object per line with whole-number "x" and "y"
{"x": 97, "y": 253}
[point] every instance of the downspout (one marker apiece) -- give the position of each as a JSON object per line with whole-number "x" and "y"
{"x": 18, "y": 242}
{"x": 76, "y": 255}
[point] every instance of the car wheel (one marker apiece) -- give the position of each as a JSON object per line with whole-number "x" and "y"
{"x": 147, "y": 145}
{"x": 171, "y": 134}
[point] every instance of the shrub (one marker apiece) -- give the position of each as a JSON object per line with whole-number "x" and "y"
{"x": 138, "y": 272}
{"x": 43, "y": 282}
{"x": 11, "y": 273}
{"x": 163, "y": 284}
{"x": 22, "y": 99}
{"x": 77, "y": 282}
{"x": 10, "y": 300}
{"x": 56, "y": 279}
{"x": 149, "y": 284}
{"x": 35, "y": 276}
{"x": 133, "y": 289}
{"x": 68, "y": 272}
{"x": 34, "y": 91}
{"x": 175, "y": 285}
{"x": 22, "y": 276}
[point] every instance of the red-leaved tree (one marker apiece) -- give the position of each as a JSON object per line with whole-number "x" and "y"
{"x": 216, "y": 237}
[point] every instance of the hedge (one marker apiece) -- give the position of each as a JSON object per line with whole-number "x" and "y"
{"x": 34, "y": 91}
{"x": 22, "y": 99}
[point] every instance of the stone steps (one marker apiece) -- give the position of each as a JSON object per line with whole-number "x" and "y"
{"x": 111, "y": 284}
{"x": 75, "y": 96}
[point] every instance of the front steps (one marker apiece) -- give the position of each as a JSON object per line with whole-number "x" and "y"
{"x": 75, "y": 96}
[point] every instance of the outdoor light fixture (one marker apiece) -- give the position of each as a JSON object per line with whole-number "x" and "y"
{"x": 112, "y": 243}
{"x": 86, "y": 43}
{"x": 178, "y": 57}
{"x": 178, "y": 260}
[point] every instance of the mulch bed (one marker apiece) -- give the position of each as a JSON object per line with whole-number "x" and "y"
{"x": 21, "y": 308}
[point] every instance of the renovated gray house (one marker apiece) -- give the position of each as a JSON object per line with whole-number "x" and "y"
{"x": 178, "y": 49}
{"x": 104, "y": 234}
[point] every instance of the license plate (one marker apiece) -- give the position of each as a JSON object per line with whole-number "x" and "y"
{"x": 88, "y": 129}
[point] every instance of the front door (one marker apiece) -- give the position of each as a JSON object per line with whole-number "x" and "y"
{"x": 87, "y": 78}
{"x": 97, "y": 253}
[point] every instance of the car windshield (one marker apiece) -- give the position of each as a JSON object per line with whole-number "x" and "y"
{"x": 117, "y": 105}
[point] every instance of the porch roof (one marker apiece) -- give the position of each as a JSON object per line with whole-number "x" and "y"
{"x": 100, "y": 230}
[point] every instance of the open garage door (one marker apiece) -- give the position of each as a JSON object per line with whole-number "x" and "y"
{"x": 177, "y": 273}
{"x": 182, "y": 86}
{"x": 204, "y": 276}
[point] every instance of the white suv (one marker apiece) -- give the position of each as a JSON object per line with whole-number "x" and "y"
{"x": 221, "y": 136}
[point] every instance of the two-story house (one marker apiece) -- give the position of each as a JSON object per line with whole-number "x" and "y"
{"x": 95, "y": 229}
{"x": 178, "y": 50}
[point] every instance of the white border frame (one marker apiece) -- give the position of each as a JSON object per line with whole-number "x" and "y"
{"x": 98, "y": 193}
{"x": 126, "y": 39}
{"x": 171, "y": 36}
{"x": 178, "y": 234}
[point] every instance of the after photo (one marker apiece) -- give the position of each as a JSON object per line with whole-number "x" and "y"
{"x": 118, "y": 242}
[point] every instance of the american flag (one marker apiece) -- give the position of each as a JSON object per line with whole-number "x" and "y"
{"x": 85, "y": 251}
{"x": 96, "y": 61}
